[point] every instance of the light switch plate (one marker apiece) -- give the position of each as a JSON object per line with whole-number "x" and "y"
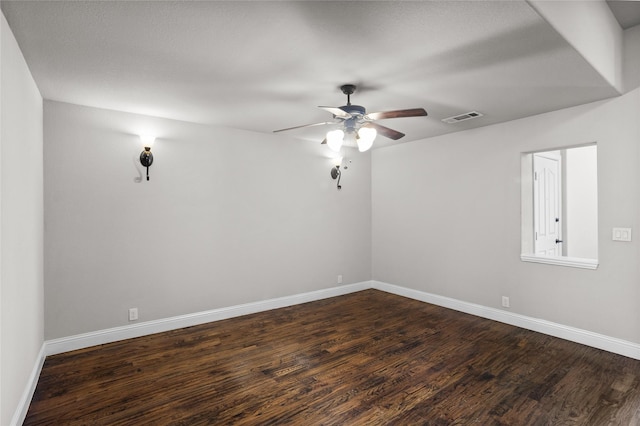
{"x": 621, "y": 234}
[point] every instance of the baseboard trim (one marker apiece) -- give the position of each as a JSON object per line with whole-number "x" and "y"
{"x": 600, "y": 341}
{"x": 81, "y": 341}
{"x": 585, "y": 337}
{"x": 25, "y": 400}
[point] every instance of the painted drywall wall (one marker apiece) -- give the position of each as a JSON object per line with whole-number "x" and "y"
{"x": 592, "y": 30}
{"x": 227, "y": 217}
{"x": 21, "y": 224}
{"x": 581, "y": 202}
{"x": 446, "y": 218}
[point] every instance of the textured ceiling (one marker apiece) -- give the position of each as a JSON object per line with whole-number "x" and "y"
{"x": 262, "y": 66}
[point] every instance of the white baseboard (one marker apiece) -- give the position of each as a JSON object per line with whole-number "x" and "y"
{"x": 23, "y": 406}
{"x": 80, "y": 341}
{"x": 600, "y": 341}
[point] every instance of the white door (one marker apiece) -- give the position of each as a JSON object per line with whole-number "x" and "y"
{"x": 546, "y": 203}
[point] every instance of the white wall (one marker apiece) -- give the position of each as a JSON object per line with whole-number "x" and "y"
{"x": 446, "y": 218}
{"x": 21, "y": 220}
{"x": 581, "y": 202}
{"x": 228, "y": 217}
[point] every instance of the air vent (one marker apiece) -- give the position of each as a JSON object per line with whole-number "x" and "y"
{"x": 462, "y": 117}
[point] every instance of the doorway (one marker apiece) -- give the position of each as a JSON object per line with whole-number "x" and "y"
{"x": 547, "y": 196}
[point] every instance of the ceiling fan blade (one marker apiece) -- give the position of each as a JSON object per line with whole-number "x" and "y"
{"x": 336, "y": 111}
{"x": 414, "y": 112}
{"x": 385, "y": 131}
{"x": 304, "y": 125}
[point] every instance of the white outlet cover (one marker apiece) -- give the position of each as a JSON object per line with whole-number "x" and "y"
{"x": 133, "y": 314}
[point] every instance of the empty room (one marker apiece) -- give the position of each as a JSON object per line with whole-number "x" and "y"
{"x": 283, "y": 212}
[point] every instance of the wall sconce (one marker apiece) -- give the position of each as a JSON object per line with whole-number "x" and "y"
{"x": 336, "y": 174}
{"x": 146, "y": 157}
{"x": 335, "y": 171}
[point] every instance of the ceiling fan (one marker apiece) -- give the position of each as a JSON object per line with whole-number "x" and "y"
{"x": 357, "y": 124}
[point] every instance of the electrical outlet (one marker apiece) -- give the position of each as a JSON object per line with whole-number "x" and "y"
{"x": 505, "y": 301}
{"x": 133, "y": 314}
{"x": 339, "y": 279}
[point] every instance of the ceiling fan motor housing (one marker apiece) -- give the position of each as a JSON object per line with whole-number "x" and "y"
{"x": 357, "y": 112}
{"x": 354, "y": 109}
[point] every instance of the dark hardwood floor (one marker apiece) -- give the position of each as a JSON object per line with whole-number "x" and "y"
{"x": 367, "y": 358}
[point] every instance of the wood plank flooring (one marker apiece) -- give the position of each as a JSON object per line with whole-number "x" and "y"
{"x": 367, "y": 358}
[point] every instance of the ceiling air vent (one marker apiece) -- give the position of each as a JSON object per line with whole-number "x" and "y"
{"x": 462, "y": 117}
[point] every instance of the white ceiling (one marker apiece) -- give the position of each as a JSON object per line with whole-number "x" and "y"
{"x": 627, "y": 12}
{"x": 262, "y": 66}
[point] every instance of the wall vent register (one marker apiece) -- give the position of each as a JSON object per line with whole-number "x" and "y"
{"x": 462, "y": 117}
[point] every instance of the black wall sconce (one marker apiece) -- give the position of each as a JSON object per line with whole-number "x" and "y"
{"x": 336, "y": 174}
{"x": 146, "y": 157}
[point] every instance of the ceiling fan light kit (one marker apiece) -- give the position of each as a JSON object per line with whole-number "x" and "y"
{"x": 335, "y": 139}
{"x": 366, "y": 136}
{"x": 354, "y": 120}
{"x": 357, "y": 125}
